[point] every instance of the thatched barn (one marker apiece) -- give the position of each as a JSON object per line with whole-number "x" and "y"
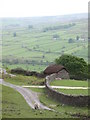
{"x": 61, "y": 71}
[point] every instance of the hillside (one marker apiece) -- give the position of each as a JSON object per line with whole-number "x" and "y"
{"x": 34, "y": 43}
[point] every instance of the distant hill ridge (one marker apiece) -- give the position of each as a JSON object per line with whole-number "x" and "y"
{"x": 45, "y": 19}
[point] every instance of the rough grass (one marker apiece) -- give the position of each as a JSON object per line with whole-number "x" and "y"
{"x": 70, "y": 83}
{"x": 63, "y": 109}
{"x": 39, "y": 90}
{"x": 24, "y": 80}
{"x": 14, "y": 106}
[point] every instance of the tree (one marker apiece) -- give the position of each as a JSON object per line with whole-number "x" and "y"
{"x": 30, "y": 26}
{"x": 77, "y": 37}
{"x": 43, "y": 56}
{"x": 75, "y": 65}
{"x": 14, "y": 34}
{"x": 89, "y": 68}
{"x": 56, "y": 36}
{"x": 70, "y": 40}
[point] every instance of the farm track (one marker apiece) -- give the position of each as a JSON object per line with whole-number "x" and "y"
{"x": 62, "y": 87}
{"x": 30, "y": 96}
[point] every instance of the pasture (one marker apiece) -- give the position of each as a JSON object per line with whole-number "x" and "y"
{"x": 33, "y": 44}
{"x": 31, "y": 80}
{"x": 74, "y": 92}
{"x": 72, "y": 83}
{"x": 14, "y": 106}
{"x": 32, "y": 48}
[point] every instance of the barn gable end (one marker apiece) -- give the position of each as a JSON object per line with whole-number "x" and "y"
{"x": 59, "y": 70}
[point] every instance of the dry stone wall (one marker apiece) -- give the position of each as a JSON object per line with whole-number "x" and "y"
{"x": 64, "y": 98}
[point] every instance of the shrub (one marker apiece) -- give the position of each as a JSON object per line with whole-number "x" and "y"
{"x": 76, "y": 66}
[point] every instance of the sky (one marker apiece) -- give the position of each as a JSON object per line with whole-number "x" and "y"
{"x": 30, "y": 8}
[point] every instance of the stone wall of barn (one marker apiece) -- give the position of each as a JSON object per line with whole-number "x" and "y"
{"x": 63, "y": 74}
{"x": 64, "y": 98}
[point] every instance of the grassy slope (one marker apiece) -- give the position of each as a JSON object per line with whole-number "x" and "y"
{"x": 24, "y": 80}
{"x": 41, "y": 42}
{"x": 65, "y": 110}
{"x": 14, "y": 106}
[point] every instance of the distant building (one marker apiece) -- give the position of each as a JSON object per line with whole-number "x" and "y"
{"x": 60, "y": 71}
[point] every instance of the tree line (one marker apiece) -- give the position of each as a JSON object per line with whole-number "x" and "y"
{"x": 58, "y": 27}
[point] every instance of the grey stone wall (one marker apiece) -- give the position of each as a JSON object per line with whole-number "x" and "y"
{"x": 63, "y": 74}
{"x": 64, "y": 98}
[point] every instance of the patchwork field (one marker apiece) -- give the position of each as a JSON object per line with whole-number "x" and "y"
{"x": 34, "y": 43}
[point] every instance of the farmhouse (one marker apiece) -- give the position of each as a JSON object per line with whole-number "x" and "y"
{"x": 61, "y": 72}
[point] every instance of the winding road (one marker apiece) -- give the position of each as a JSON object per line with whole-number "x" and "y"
{"x": 30, "y": 96}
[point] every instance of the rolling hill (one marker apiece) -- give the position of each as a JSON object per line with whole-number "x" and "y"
{"x": 34, "y": 43}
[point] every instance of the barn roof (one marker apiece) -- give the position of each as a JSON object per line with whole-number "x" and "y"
{"x": 53, "y": 69}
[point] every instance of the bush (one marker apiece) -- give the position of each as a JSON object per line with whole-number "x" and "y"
{"x": 18, "y": 71}
{"x": 27, "y": 73}
{"x": 56, "y": 36}
{"x": 70, "y": 40}
{"x": 76, "y": 66}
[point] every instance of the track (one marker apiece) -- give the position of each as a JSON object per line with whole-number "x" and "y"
{"x": 61, "y": 87}
{"x": 30, "y": 96}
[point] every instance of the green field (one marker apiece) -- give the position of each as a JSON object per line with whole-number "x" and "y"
{"x": 46, "y": 100}
{"x": 14, "y": 106}
{"x": 30, "y": 43}
{"x": 66, "y": 91}
{"x": 70, "y": 83}
{"x": 31, "y": 80}
{"x": 74, "y": 92}
{"x": 34, "y": 49}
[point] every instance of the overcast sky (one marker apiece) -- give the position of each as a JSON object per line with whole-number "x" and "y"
{"x": 27, "y": 8}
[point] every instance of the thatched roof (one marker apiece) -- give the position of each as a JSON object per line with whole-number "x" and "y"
{"x": 53, "y": 69}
